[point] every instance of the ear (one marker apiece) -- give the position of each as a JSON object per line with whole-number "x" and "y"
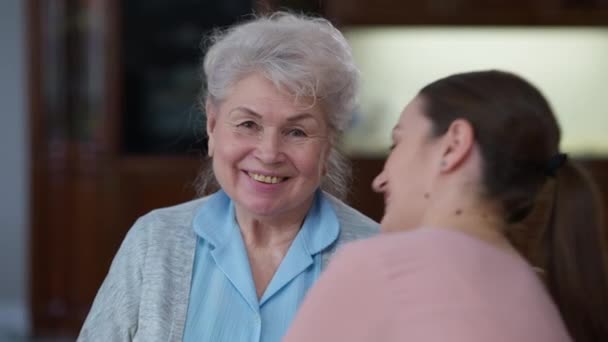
{"x": 458, "y": 144}
{"x": 211, "y": 113}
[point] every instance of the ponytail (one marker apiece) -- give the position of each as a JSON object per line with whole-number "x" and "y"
{"x": 574, "y": 246}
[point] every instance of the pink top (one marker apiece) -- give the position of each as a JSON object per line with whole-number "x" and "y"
{"x": 427, "y": 285}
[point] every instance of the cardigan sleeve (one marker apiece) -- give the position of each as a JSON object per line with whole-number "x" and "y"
{"x": 345, "y": 303}
{"x": 115, "y": 310}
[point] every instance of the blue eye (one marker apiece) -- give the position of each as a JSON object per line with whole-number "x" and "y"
{"x": 298, "y": 133}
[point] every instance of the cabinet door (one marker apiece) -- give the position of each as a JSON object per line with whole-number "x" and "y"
{"x": 110, "y": 84}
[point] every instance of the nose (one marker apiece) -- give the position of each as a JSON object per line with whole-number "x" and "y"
{"x": 379, "y": 183}
{"x": 269, "y": 149}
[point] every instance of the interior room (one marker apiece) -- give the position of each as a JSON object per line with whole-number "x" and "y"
{"x": 101, "y": 119}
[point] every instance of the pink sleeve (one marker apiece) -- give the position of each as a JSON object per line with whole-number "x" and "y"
{"x": 345, "y": 303}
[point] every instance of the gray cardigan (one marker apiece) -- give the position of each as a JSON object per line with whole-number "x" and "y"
{"x": 145, "y": 294}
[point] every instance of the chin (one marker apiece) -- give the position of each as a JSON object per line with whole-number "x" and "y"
{"x": 262, "y": 208}
{"x": 388, "y": 229}
{"x": 272, "y": 206}
{"x": 390, "y": 225}
{"x": 267, "y": 207}
{"x": 386, "y": 225}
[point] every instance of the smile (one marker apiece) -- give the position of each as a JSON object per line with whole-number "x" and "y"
{"x": 266, "y": 179}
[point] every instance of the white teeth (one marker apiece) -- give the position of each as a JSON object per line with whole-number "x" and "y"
{"x": 265, "y": 179}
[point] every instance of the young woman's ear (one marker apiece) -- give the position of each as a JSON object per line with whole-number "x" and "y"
{"x": 211, "y": 113}
{"x": 458, "y": 141}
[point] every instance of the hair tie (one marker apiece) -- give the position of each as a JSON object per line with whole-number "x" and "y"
{"x": 555, "y": 163}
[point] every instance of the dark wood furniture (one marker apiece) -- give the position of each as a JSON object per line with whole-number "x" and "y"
{"x": 89, "y": 185}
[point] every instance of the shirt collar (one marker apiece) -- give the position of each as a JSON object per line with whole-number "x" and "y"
{"x": 215, "y": 219}
{"x": 321, "y": 226}
{"x": 215, "y": 222}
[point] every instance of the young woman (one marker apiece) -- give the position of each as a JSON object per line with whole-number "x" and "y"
{"x": 471, "y": 155}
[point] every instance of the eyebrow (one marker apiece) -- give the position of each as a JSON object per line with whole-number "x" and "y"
{"x": 301, "y": 116}
{"x": 247, "y": 110}
{"x": 297, "y": 117}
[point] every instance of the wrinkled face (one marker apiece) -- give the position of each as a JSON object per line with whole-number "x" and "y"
{"x": 407, "y": 176}
{"x": 269, "y": 150}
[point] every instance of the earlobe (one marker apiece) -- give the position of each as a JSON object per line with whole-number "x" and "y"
{"x": 459, "y": 142}
{"x": 210, "y": 146}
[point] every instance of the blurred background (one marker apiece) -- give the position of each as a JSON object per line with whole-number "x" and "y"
{"x": 99, "y": 120}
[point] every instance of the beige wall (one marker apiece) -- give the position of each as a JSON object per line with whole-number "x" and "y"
{"x": 570, "y": 65}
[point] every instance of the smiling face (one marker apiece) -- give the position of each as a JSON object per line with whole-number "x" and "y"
{"x": 269, "y": 151}
{"x": 408, "y": 173}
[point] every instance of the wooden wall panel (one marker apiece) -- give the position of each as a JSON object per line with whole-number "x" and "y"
{"x": 467, "y": 12}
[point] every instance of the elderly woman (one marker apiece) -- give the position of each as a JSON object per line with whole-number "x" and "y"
{"x": 470, "y": 155}
{"x": 235, "y": 265}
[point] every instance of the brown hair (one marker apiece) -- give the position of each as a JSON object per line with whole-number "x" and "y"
{"x": 518, "y": 137}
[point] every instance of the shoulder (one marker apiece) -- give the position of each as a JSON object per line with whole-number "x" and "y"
{"x": 151, "y": 269}
{"x": 407, "y": 265}
{"x": 432, "y": 256}
{"x": 419, "y": 246}
{"x": 427, "y": 270}
{"x": 178, "y": 215}
{"x": 366, "y": 255}
{"x": 165, "y": 229}
{"x": 354, "y": 225}
{"x": 175, "y": 219}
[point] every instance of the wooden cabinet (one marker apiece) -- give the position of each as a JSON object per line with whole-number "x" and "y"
{"x": 98, "y": 160}
{"x": 467, "y": 12}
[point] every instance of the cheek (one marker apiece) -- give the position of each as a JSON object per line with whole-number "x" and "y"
{"x": 228, "y": 155}
{"x": 405, "y": 179}
{"x": 224, "y": 155}
{"x": 412, "y": 166}
{"x": 311, "y": 160}
{"x": 232, "y": 145}
{"x": 396, "y": 170}
{"x": 308, "y": 165}
{"x": 403, "y": 212}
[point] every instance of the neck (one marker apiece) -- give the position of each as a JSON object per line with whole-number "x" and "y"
{"x": 479, "y": 225}
{"x": 270, "y": 231}
{"x": 471, "y": 215}
{"x": 267, "y": 239}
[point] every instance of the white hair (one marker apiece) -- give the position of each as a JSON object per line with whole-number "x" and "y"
{"x": 305, "y": 56}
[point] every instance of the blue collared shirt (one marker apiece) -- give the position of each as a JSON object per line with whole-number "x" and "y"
{"x": 223, "y": 303}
